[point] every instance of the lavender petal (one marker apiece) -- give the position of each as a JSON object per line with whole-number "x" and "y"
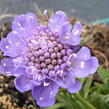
{"x": 56, "y": 22}
{"x": 23, "y": 83}
{"x": 45, "y": 93}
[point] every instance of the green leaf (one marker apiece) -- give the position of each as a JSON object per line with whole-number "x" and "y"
{"x": 85, "y": 40}
{"x": 86, "y": 87}
{"x": 56, "y": 106}
{"x": 103, "y": 73}
{"x": 85, "y": 102}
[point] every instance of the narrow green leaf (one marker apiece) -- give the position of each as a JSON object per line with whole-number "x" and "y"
{"x": 56, "y": 106}
{"x": 103, "y": 73}
{"x": 86, "y": 87}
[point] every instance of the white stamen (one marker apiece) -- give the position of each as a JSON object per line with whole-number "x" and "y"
{"x": 82, "y": 64}
{"x": 56, "y": 30}
{"x": 51, "y": 93}
{"x": 7, "y": 46}
{"x": 4, "y": 64}
{"x": 33, "y": 41}
{"x": 76, "y": 32}
{"x": 41, "y": 98}
{"x": 45, "y": 12}
{"x": 22, "y": 28}
{"x": 8, "y": 73}
{"x": 10, "y": 41}
{"x": 60, "y": 72}
{"x": 30, "y": 17}
{"x": 74, "y": 55}
{"x": 16, "y": 75}
{"x": 39, "y": 76}
{"x": 18, "y": 60}
{"x": 51, "y": 20}
{"x": 18, "y": 24}
{"x": 46, "y": 84}
{"x": 18, "y": 43}
{"x": 67, "y": 37}
{"x": 69, "y": 63}
{"x": 15, "y": 32}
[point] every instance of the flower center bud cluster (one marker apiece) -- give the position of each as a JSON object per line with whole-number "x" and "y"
{"x": 47, "y": 53}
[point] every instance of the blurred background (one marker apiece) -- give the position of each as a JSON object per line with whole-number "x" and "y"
{"x": 89, "y": 10}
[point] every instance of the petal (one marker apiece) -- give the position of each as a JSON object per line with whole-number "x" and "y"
{"x": 73, "y": 88}
{"x": 20, "y": 70}
{"x": 66, "y": 80}
{"x": 18, "y": 22}
{"x": 92, "y": 65}
{"x": 66, "y": 28}
{"x": 27, "y": 22}
{"x": 12, "y": 45}
{"x": 46, "y": 102}
{"x": 77, "y": 29}
{"x": 84, "y": 53}
{"x": 23, "y": 83}
{"x": 31, "y": 21}
{"x": 75, "y": 34}
{"x": 84, "y": 68}
{"x": 71, "y": 38}
{"x": 7, "y": 66}
{"x": 56, "y": 22}
{"x": 4, "y": 44}
{"x": 45, "y": 93}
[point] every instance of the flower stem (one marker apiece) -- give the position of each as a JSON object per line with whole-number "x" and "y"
{"x": 84, "y": 102}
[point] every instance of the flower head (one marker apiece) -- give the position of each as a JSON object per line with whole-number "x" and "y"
{"x": 44, "y": 57}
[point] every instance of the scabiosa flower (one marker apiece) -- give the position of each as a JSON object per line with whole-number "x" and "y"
{"x": 43, "y": 57}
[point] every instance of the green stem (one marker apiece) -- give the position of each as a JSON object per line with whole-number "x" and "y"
{"x": 84, "y": 102}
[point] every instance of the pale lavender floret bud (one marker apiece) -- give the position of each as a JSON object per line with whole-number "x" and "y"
{"x": 45, "y": 71}
{"x": 55, "y": 43}
{"x": 69, "y": 52}
{"x": 50, "y": 67}
{"x": 66, "y": 46}
{"x": 41, "y": 52}
{"x": 36, "y": 54}
{"x": 52, "y": 38}
{"x": 57, "y": 39}
{"x": 32, "y": 58}
{"x": 37, "y": 66}
{"x": 60, "y": 61}
{"x": 43, "y": 65}
{"x": 51, "y": 50}
{"x": 30, "y": 64}
{"x": 50, "y": 45}
{"x": 60, "y": 46}
{"x": 50, "y": 33}
{"x": 65, "y": 58}
{"x": 53, "y": 56}
{"x": 54, "y": 62}
{"x": 56, "y": 49}
{"x": 56, "y": 68}
{"x": 63, "y": 66}
{"x": 51, "y": 73}
{"x": 41, "y": 58}
{"x": 37, "y": 60}
{"x": 46, "y": 55}
{"x": 47, "y": 61}
{"x": 59, "y": 55}
{"x": 63, "y": 52}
